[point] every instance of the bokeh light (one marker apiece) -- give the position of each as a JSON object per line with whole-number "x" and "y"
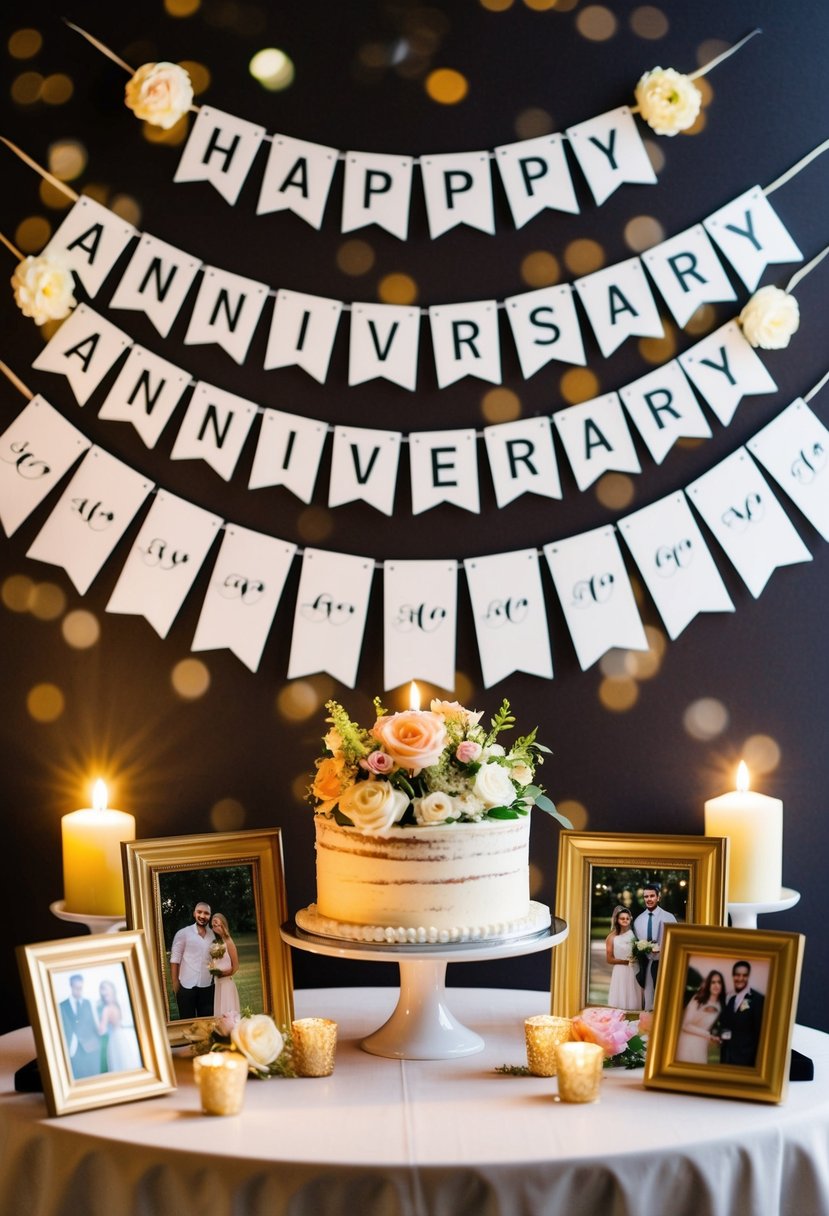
{"x": 355, "y": 257}
{"x": 31, "y": 234}
{"x": 705, "y": 718}
{"x": 616, "y": 491}
{"x": 496, "y": 6}
{"x": 540, "y": 269}
{"x": 761, "y": 753}
{"x": 67, "y": 159}
{"x": 642, "y": 232}
{"x": 446, "y": 86}
{"x": 500, "y": 405}
{"x": 45, "y": 703}
{"x": 659, "y": 350}
{"x": 702, "y": 320}
{"x": 227, "y": 815}
{"x": 578, "y": 384}
{"x": 575, "y": 811}
{"x": 17, "y": 592}
{"x": 583, "y": 256}
{"x": 272, "y": 68}
{"x": 596, "y": 22}
{"x": 199, "y": 74}
{"x": 52, "y": 197}
{"x": 57, "y": 89}
{"x": 26, "y": 88}
{"x": 315, "y": 524}
{"x": 297, "y": 701}
{"x": 532, "y": 122}
{"x": 25, "y": 44}
{"x": 649, "y": 22}
{"x": 397, "y": 288}
{"x": 48, "y": 602}
{"x": 190, "y": 679}
{"x": 80, "y": 629}
{"x": 619, "y": 695}
{"x": 181, "y": 8}
{"x": 656, "y": 155}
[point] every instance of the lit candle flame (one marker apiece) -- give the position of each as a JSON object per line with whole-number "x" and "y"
{"x": 414, "y": 696}
{"x": 743, "y": 781}
{"x": 99, "y": 795}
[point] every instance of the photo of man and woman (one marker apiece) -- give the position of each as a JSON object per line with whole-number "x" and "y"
{"x": 723, "y": 1014}
{"x": 97, "y": 1021}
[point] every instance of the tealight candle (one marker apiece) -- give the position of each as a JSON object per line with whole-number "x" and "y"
{"x": 314, "y": 1045}
{"x": 579, "y": 1068}
{"x": 221, "y": 1078}
{"x": 543, "y": 1034}
{"x": 93, "y": 879}
{"x": 753, "y": 824}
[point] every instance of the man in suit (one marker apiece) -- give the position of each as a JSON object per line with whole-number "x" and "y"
{"x": 649, "y": 926}
{"x": 80, "y": 1031}
{"x": 741, "y": 1019}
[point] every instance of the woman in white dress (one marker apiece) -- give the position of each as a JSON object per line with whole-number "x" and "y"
{"x": 122, "y": 1051}
{"x": 700, "y": 1017}
{"x": 224, "y": 963}
{"x": 625, "y": 992}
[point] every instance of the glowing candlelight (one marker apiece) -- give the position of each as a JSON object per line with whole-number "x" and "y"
{"x": 414, "y": 696}
{"x": 92, "y": 872}
{"x": 753, "y": 824}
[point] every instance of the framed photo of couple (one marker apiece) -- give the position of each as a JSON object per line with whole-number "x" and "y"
{"x": 723, "y": 1023}
{"x": 618, "y": 894}
{"x": 211, "y": 907}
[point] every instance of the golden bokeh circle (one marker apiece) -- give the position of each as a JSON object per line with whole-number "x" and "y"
{"x": 575, "y": 811}
{"x": 446, "y": 86}
{"x": 612, "y": 664}
{"x": 659, "y": 350}
{"x": 181, "y": 8}
{"x": 540, "y": 269}
{"x": 26, "y": 88}
{"x": 80, "y": 629}
{"x": 51, "y": 196}
{"x": 227, "y": 815}
{"x": 315, "y": 524}
{"x": 596, "y": 23}
{"x": 656, "y": 155}
{"x": 48, "y": 602}
{"x": 705, "y": 719}
{"x": 619, "y": 695}
{"x": 500, "y": 405}
{"x": 45, "y": 703}
{"x": 496, "y": 6}
{"x": 642, "y": 664}
{"x": 541, "y": 6}
{"x": 25, "y": 44}
{"x": 67, "y": 159}
{"x": 127, "y": 208}
{"x": 464, "y": 688}
{"x": 273, "y": 69}
{"x": 97, "y": 190}
{"x": 199, "y": 74}
{"x": 649, "y": 22}
{"x": 583, "y": 256}
{"x": 616, "y": 491}
{"x": 57, "y": 89}
{"x": 297, "y": 701}
{"x": 761, "y": 753}
{"x": 700, "y": 322}
{"x": 32, "y": 233}
{"x": 532, "y": 122}
{"x": 643, "y": 232}
{"x": 657, "y": 640}
{"x": 710, "y": 49}
{"x": 174, "y": 136}
{"x": 17, "y": 592}
{"x": 698, "y": 124}
{"x": 706, "y": 91}
{"x": 578, "y": 384}
{"x": 190, "y": 679}
{"x": 355, "y": 257}
{"x": 397, "y": 288}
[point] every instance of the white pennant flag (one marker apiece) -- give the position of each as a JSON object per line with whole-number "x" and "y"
{"x": 419, "y": 622}
{"x": 595, "y": 592}
{"x": 288, "y": 453}
{"x": 245, "y": 589}
{"x": 36, "y": 451}
{"x": 724, "y": 368}
{"x": 377, "y": 190}
{"x": 302, "y": 333}
{"x": 675, "y": 562}
{"x": 596, "y": 439}
{"x": 522, "y": 459}
{"x": 214, "y": 428}
{"x": 465, "y": 341}
{"x": 535, "y": 175}
{"x": 444, "y": 468}
{"x": 297, "y": 178}
{"x": 752, "y": 236}
{"x": 156, "y": 282}
{"x": 736, "y": 502}
{"x": 220, "y": 150}
{"x": 610, "y": 151}
{"x": 364, "y": 467}
{"x": 90, "y": 517}
{"x": 84, "y": 349}
{"x": 164, "y": 560}
{"x": 545, "y": 326}
{"x": 384, "y": 341}
{"x": 330, "y": 617}
{"x": 510, "y": 617}
{"x": 663, "y": 407}
{"x": 458, "y": 190}
{"x": 688, "y": 273}
{"x": 91, "y": 239}
{"x": 226, "y": 312}
{"x": 620, "y": 304}
{"x": 145, "y": 393}
{"x": 794, "y": 448}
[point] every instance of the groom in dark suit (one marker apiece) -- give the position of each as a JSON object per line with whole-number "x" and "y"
{"x": 741, "y": 1019}
{"x": 80, "y": 1031}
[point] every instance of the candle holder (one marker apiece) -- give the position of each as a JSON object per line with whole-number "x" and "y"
{"x": 543, "y": 1034}
{"x": 93, "y": 922}
{"x": 314, "y": 1045}
{"x": 744, "y": 915}
{"x": 221, "y": 1077}
{"x": 579, "y": 1067}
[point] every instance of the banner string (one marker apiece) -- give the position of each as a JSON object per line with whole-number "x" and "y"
{"x": 795, "y": 169}
{"x": 800, "y": 275}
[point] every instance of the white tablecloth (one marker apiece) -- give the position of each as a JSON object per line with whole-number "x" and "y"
{"x": 408, "y": 1138}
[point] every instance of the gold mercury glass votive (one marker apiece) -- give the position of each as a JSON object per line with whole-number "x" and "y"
{"x": 579, "y": 1071}
{"x": 314, "y": 1045}
{"x": 543, "y": 1033}
{"x": 221, "y": 1078}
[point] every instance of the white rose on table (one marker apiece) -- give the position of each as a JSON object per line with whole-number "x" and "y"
{"x": 373, "y": 806}
{"x": 159, "y": 93}
{"x": 44, "y": 288}
{"x": 770, "y": 318}
{"x": 436, "y": 807}
{"x": 493, "y": 786}
{"x": 258, "y": 1039}
{"x": 668, "y": 101}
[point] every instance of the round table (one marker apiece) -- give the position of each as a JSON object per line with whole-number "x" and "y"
{"x": 385, "y": 1137}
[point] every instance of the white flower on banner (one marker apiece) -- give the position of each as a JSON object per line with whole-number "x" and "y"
{"x": 770, "y": 318}
{"x": 668, "y": 101}
{"x": 44, "y": 289}
{"x": 159, "y": 93}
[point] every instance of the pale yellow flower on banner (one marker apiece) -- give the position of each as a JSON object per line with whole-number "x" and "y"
{"x": 668, "y": 101}
{"x": 159, "y": 93}
{"x": 44, "y": 289}
{"x": 770, "y": 318}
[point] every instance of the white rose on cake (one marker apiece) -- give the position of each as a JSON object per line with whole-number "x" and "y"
{"x": 160, "y": 94}
{"x": 668, "y": 101}
{"x": 493, "y": 786}
{"x": 770, "y": 318}
{"x": 436, "y": 807}
{"x": 373, "y": 806}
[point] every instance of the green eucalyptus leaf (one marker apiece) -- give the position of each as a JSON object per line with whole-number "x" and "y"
{"x": 501, "y": 812}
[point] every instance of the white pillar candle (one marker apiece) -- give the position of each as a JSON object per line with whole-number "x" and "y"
{"x": 93, "y": 879}
{"x": 753, "y": 824}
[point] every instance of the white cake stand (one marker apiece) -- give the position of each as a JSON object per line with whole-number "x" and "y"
{"x": 744, "y": 916}
{"x": 93, "y": 922}
{"x": 422, "y": 1026}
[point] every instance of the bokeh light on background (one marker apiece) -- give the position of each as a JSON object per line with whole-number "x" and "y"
{"x": 540, "y": 269}
{"x": 575, "y": 811}
{"x": 315, "y": 524}
{"x": 53, "y": 198}
{"x": 397, "y": 288}
{"x": 26, "y": 88}
{"x": 496, "y": 6}
{"x": 45, "y": 703}
{"x": 761, "y": 753}
{"x": 355, "y": 257}
{"x": 649, "y": 22}
{"x": 128, "y": 208}
{"x": 80, "y": 629}
{"x": 616, "y": 491}
{"x": 227, "y": 815}
{"x": 702, "y": 320}
{"x": 705, "y": 719}
{"x": 500, "y": 405}
{"x": 25, "y": 44}
{"x": 67, "y": 159}
{"x": 533, "y": 122}
{"x": 272, "y": 68}
{"x": 17, "y": 592}
{"x": 642, "y": 232}
{"x": 618, "y": 695}
{"x": 578, "y": 384}
{"x": 48, "y": 602}
{"x": 199, "y": 74}
{"x": 31, "y": 234}
{"x": 57, "y": 89}
{"x": 656, "y": 155}
{"x": 583, "y": 256}
{"x": 659, "y": 350}
{"x": 190, "y": 679}
{"x": 596, "y": 23}
{"x": 181, "y": 8}
{"x": 446, "y": 86}
{"x": 297, "y": 701}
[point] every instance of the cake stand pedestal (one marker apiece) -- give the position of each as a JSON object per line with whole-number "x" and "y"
{"x": 422, "y": 1026}
{"x": 93, "y": 922}
{"x": 744, "y": 916}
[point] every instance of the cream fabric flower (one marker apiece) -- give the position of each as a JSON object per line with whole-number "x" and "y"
{"x": 159, "y": 93}
{"x": 770, "y": 318}
{"x": 43, "y": 288}
{"x": 668, "y": 101}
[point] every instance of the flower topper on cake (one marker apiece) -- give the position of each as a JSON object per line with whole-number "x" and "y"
{"x": 426, "y": 767}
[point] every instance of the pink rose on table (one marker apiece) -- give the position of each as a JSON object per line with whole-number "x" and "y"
{"x": 607, "y": 1027}
{"x": 225, "y": 1024}
{"x": 378, "y": 762}
{"x": 414, "y": 738}
{"x": 468, "y": 751}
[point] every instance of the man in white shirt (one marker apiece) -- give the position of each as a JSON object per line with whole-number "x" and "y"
{"x": 649, "y": 926}
{"x": 189, "y": 963}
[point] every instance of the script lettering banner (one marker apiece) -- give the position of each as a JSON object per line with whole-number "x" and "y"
{"x": 688, "y": 273}
{"x": 663, "y": 408}
{"x": 535, "y": 175}
{"x": 83, "y": 350}
{"x": 752, "y": 236}
{"x": 510, "y": 617}
{"x": 245, "y": 589}
{"x": 596, "y": 439}
{"x": 220, "y": 149}
{"x": 610, "y": 152}
{"x": 214, "y": 429}
{"x": 736, "y": 502}
{"x": 156, "y": 282}
{"x": 522, "y": 459}
{"x": 458, "y": 190}
{"x": 595, "y": 593}
{"x": 377, "y": 190}
{"x": 164, "y": 560}
{"x": 288, "y": 453}
{"x": 364, "y": 467}
{"x": 675, "y": 562}
{"x": 302, "y": 333}
{"x": 384, "y": 341}
{"x": 297, "y": 178}
{"x": 724, "y": 368}
{"x": 619, "y": 304}
{"x": 465, "y": 341}
{"x": 545, "y": 326}
{"x": 419, "y": 622}
{"x": 444, "y": 468}
{"x": 226, "y": 312}
{"x": 91, "y": 239}
{"x": 36, "y": 451}
{"x": 330, "y": 616}
{"x": 794, "y": 448}
{"x": 145, "y": 393}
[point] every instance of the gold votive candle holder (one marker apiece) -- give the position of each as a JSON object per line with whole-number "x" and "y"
{"x": 579, "y": 1071}
{"x": 221, "y": 1078}
{"x": 314, "y": 1045}
{"x": 543, "y": 1034}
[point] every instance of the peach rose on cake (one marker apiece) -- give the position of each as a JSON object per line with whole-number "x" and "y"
{"x": 413, "y": 738}
{"x": 330, "y": 782}
{"x": 159, "y": 93}
{"x": 493, "y": 786}
{"x": 373, "y": 806}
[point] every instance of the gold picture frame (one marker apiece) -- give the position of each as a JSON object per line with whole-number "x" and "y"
{"x": 88, "y": 1057}
{"x": 746, "y": 1049}
{"x": 586, "y": 857}
{"x": 238, "y": 874}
